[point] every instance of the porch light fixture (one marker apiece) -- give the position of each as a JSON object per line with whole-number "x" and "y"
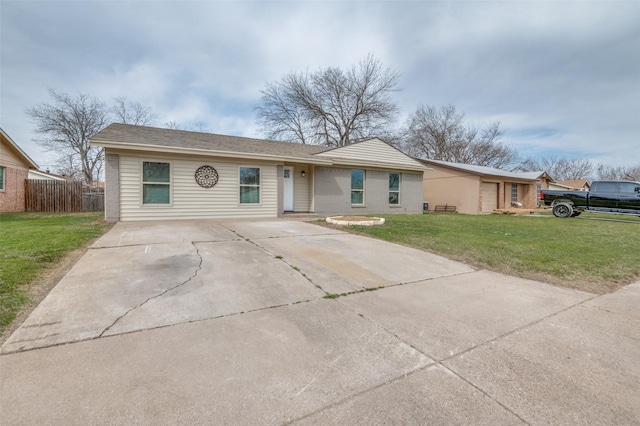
{"x": 303, "y": 173}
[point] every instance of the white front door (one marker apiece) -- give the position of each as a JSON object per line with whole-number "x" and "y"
{"x": 288, "y": 189}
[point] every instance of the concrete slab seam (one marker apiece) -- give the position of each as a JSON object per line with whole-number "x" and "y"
{"x": 518, "y": 329}
{"x": 278, "y": 237}
{"x": 88, "y": 339}
{"x": 483, "y": 392}
{"x": 435, "y": 363}
{"x": 280, "y": 258}
{"x": 441, "y": 361}
{"x": 162, "y": 243}
{"x": 362, "y": 392}
{"x": 195, "y": 273}
{"x": 495, "y": 339}
{"x": 388, "y": 382}
{"x": 382, "y": 287}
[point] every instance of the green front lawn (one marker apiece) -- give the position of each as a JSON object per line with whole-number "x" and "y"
{"x": 33, "y": 242}
{"x": 594, "y": 256}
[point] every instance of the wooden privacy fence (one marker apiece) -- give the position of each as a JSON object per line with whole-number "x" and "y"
{"x": 93, "y": 201}
{"x": 43, "y": 195}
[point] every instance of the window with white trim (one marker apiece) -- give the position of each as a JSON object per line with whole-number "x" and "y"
{"x": 514, "y": 192}
{"x": 2, "y": 176}
{"x": 357, "y": 187}
{"x": 249, "y": 185}
{"x": 156, "y": 183}
{"x": 394, "y": 188}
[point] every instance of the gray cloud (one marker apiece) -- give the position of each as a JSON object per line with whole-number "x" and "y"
{"x": 563, "y": 78}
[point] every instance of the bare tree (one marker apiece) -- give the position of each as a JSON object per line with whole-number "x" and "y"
{"x": 66, "y": 126}
{"x": 330, "y": 106}
{"x": 68, "y": 165}
{"x": 633, "y": 173}
{"x": 607, "y": 172}
{"x": 560, "y": 168}
{"x": 442, "y": 134}
{"x": 128, "y": 112}
{"x": 172, "y": 125}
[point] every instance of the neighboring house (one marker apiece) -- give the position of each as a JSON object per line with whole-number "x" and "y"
{"x": 38, "y": 174}
{"x": 14, "y": 170}
{"x": 478, "y": 189}
{"x": 572, "y": 185}
{"x": 153, "y": 173}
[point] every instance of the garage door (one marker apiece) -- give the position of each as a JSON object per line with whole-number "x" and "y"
{"x": 489, "y": 196}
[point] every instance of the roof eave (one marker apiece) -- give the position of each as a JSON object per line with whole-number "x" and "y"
{"x": 208, "y": 152}
{"x": 481, "y": 174}
{"x": 32, "y": 164}
{"x": 394, "y": 166}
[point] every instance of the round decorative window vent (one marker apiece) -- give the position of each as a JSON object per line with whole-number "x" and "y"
{"x": 206, "y": 176}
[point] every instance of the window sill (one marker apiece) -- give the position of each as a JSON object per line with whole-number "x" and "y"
{"x": 358, "y": 206}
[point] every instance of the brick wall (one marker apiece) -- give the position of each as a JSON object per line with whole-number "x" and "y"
{"x": 12, "y": 197}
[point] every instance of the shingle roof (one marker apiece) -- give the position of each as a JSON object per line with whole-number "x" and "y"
{"x": 151, "y": 136}
{"x": 483, "y": 170}
{"x": 130, "y": 137}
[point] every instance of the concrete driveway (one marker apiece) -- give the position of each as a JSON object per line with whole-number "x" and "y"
{"x": 231, "y": 323}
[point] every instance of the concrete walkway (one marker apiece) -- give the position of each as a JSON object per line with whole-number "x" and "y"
{"x": 230, "y": 323}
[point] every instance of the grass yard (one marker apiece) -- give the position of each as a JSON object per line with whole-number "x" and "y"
{"x": 31, "y": 244}
{"x": 590, "y": 255}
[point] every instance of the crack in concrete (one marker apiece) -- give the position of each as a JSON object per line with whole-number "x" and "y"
{"x": 198, "y": 268}
{"x": 193, "y": 321}
{"x": 165, "y": 243}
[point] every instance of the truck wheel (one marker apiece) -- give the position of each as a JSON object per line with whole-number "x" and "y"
{"x": 563, "y": 210}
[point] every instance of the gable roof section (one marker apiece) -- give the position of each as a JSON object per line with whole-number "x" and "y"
{"x": 6, "y": 139}
{"x": 373, "y": 153}
{"x": 485, "y": 171}
{"x": 127, "y": 136}
{"x": 575, "y": 183}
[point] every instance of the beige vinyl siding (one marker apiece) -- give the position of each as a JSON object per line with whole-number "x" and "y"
{"x": 373, "y": 150}
{"x": 188, "y": 199}
{"x": 9, "y": 159}
{"x": 302, "y": 187}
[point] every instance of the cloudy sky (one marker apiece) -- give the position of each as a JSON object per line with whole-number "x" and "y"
{"x": 562, "y": 77}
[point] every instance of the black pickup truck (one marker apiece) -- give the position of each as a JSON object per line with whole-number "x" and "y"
{"x": 604, "y": 196}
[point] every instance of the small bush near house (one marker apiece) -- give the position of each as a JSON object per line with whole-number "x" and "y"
{"x": 597, "y": 256}
{"x": 34, "y": 242}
